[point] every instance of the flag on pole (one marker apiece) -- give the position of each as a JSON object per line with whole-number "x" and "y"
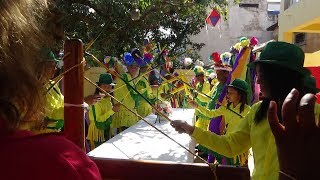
{"x": 213, "y": 18}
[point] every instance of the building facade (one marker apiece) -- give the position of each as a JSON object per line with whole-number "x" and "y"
{"x": 248, "y": 18}
{"x": 299, "y": 23}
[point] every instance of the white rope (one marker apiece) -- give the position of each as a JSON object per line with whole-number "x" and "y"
{"x": 83, "y": 105}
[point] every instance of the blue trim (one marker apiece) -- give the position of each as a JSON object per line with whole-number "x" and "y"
{"x": 273, "y": 12}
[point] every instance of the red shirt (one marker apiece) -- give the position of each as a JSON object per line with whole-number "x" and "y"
{"x": 24, "y": 156}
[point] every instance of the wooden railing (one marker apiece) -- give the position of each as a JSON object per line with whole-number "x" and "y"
{"x": 139, "y": 169}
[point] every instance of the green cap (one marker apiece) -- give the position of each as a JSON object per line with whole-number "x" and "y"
{"x": 240, "y": 84}
{"x": 48, "y": 55}
{"x": 310, "y": 83}
{"x": 282, "y": 54}
{"x": 209, "y": 71}
{"x": 105, "y": 78}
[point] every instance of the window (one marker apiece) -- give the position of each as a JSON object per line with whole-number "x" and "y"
{"x": 247, "y": 5}
{"x": 300, "y": 39}
{"x": 288, "y": 3}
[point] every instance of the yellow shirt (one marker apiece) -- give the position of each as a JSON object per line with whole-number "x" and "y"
{"x": 230, "y": 118}
{"x": 144, "y": 108}
{"x": 124, "y": 117}
{"x": 54, "y": 109}
{"x": 248, "y": 134}
{"x": 205, "y": 90}
{"x": 144, "y": 88}
{"x": 164, "y": 88}
{"x": 122, "y": 93}
{"x": 55, "y": 102}
{"x": 103, "y": 110}
{"x": 203, "y": 121}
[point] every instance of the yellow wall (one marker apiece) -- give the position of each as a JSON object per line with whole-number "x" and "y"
{"x": 303, "y": 16}
{"x": 312, "y": 59}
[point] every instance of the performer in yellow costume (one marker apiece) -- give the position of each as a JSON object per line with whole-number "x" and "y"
{"x": 125, "y": 93}
{"x": 233, "y": 113}
{"x": 279, "y": 70}
{"x": 166, "y": 90}
{"x": 100, "y": 113}
{"x": 203, "y": 86}
{"x": 54, "y": 109}
{"x": 143, "y": 86}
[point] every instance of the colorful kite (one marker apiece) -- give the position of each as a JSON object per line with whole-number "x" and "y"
{"x": 213, "y": 18}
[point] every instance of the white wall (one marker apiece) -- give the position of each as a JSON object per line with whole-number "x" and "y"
{"x": 241, "y": 22}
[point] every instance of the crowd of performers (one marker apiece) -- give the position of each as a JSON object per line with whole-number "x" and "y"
{"x": 152, "y": 75}
{"x": 221, "y": 94}
{"x": 279, "y": 69}
{"x": 282, "y": 128}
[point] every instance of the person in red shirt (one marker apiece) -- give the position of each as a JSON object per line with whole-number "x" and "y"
{"x": 24, "y": 155}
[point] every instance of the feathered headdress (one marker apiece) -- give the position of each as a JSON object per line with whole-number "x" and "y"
{"x": 134, "y": 58}
{"x": 187, "y": 61}
{"x": 199, "y": 63}
{"x": 215, "y": 57}
{"x": 198, "y": 70}
{"x": 254, "y": 41}
{"x": 244, "y": 41}
{"x": 221, "y": 62}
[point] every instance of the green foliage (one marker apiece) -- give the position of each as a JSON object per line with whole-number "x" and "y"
{"x": 84, "y": 19}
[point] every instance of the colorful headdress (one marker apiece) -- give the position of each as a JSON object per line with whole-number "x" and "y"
{"x": 148, "y": 57}
{"x": 225, "y": 57}
{"x": 198, "y": 70}
{"x": 134, "y": 58}
{"x": 110, "y": 61}
{"x": 221, "y": 62}
{"x": 235, "y": 48}
{"x": 154, "y": 77}
{"x": 215, "y": 57}
{"x": 187, "y": 61}
{"x": 199, "y": 63}
{"x": 254, "y": 41}
{"x": 244, "y": 41}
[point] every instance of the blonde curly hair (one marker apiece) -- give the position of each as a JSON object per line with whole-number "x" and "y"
{"x": 22, "y": 37}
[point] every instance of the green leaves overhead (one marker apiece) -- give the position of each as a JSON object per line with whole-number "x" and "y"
{"x": 167, "y": 22}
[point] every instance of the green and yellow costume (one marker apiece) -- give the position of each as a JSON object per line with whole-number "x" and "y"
{"x": 54, "y": 109}
{"x": 128, "y": 97}
{"x": 232, "y": 121}
{"x": 100, "y": 116}
{"x": 247, "y": 134}
{"x": 202, "y": 120}
{"x": 143, "y": 107}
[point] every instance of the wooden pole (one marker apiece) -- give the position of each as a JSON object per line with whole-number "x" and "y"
{"x": 73, "y": 93}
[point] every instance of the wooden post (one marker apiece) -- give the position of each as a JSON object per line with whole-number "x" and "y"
{"x": 73, "y": 93}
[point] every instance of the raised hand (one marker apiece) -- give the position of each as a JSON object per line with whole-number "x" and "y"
{"x": 182, "y": 127}
{"x": 92, "y": 99}
{"x": 116, "y": 107}
{"x": 193, "y": 103}
{"x": 297, "y": 138}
